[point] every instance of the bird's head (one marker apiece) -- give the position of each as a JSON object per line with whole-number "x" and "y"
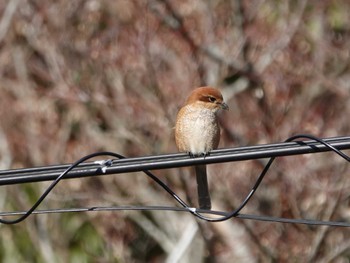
{"x": 207, "y": 97}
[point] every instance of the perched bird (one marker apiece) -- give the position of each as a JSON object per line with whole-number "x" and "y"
{"x": 197, "y": 132}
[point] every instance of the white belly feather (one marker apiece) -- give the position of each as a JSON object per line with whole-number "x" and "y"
{"x": 200, "y": 131}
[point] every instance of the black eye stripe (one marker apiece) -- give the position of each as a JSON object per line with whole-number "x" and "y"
{"x": 211, "y": 99}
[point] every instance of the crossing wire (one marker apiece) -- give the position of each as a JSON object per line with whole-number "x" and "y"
{"x": 120, "y": 164}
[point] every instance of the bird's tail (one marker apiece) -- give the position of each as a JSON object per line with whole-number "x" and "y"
{"x": 202, "y": 187}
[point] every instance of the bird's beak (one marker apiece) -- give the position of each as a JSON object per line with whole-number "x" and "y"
{"x": 224, "y": 106}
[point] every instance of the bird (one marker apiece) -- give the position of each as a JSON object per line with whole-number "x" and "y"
{"x": 197, "y": 132}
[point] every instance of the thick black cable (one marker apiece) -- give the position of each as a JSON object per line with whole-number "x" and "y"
{"x": 166, "y": 161}
{"x": 235, "y": 212}
{"x": 194, "y": 211}
{"x": 53, "y": 184}
{"x": 104, "y": 164}
{"x": 329, "y": 146}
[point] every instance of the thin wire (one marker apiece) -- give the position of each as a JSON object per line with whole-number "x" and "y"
{"x": 108, "y": 163}
{"x": 331, "y": 147}
{"x": 53, "y": 184}
{"x": 196, "y": 212}
{"x": 263, "y": 173}
{"x": 179, "y": 209}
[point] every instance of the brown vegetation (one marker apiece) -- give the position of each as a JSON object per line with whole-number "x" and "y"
{"x": 83, "y": 76}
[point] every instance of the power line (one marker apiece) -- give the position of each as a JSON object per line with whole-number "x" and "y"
{"x": 167, "y": 161}
{"x": 271, "y": 219}
{"x": 224, "y": 155}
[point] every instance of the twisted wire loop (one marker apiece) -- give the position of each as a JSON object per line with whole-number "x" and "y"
{"x": 120, "y": 164}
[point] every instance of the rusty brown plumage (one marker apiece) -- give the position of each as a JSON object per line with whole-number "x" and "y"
{"x": 197, "y": 132}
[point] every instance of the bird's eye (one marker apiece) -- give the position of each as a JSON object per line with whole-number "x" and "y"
{"x": 211, "y": 99}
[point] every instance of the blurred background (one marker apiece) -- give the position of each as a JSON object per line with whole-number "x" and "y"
{"x": 82, "y": 76}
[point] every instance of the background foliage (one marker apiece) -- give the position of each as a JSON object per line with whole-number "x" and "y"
{"x": 83, "y": 76}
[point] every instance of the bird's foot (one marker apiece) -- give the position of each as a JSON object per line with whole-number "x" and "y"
{"x": 202, "y": 154}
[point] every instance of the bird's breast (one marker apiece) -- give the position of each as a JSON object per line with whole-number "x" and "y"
{"x": 197, "y": 130}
